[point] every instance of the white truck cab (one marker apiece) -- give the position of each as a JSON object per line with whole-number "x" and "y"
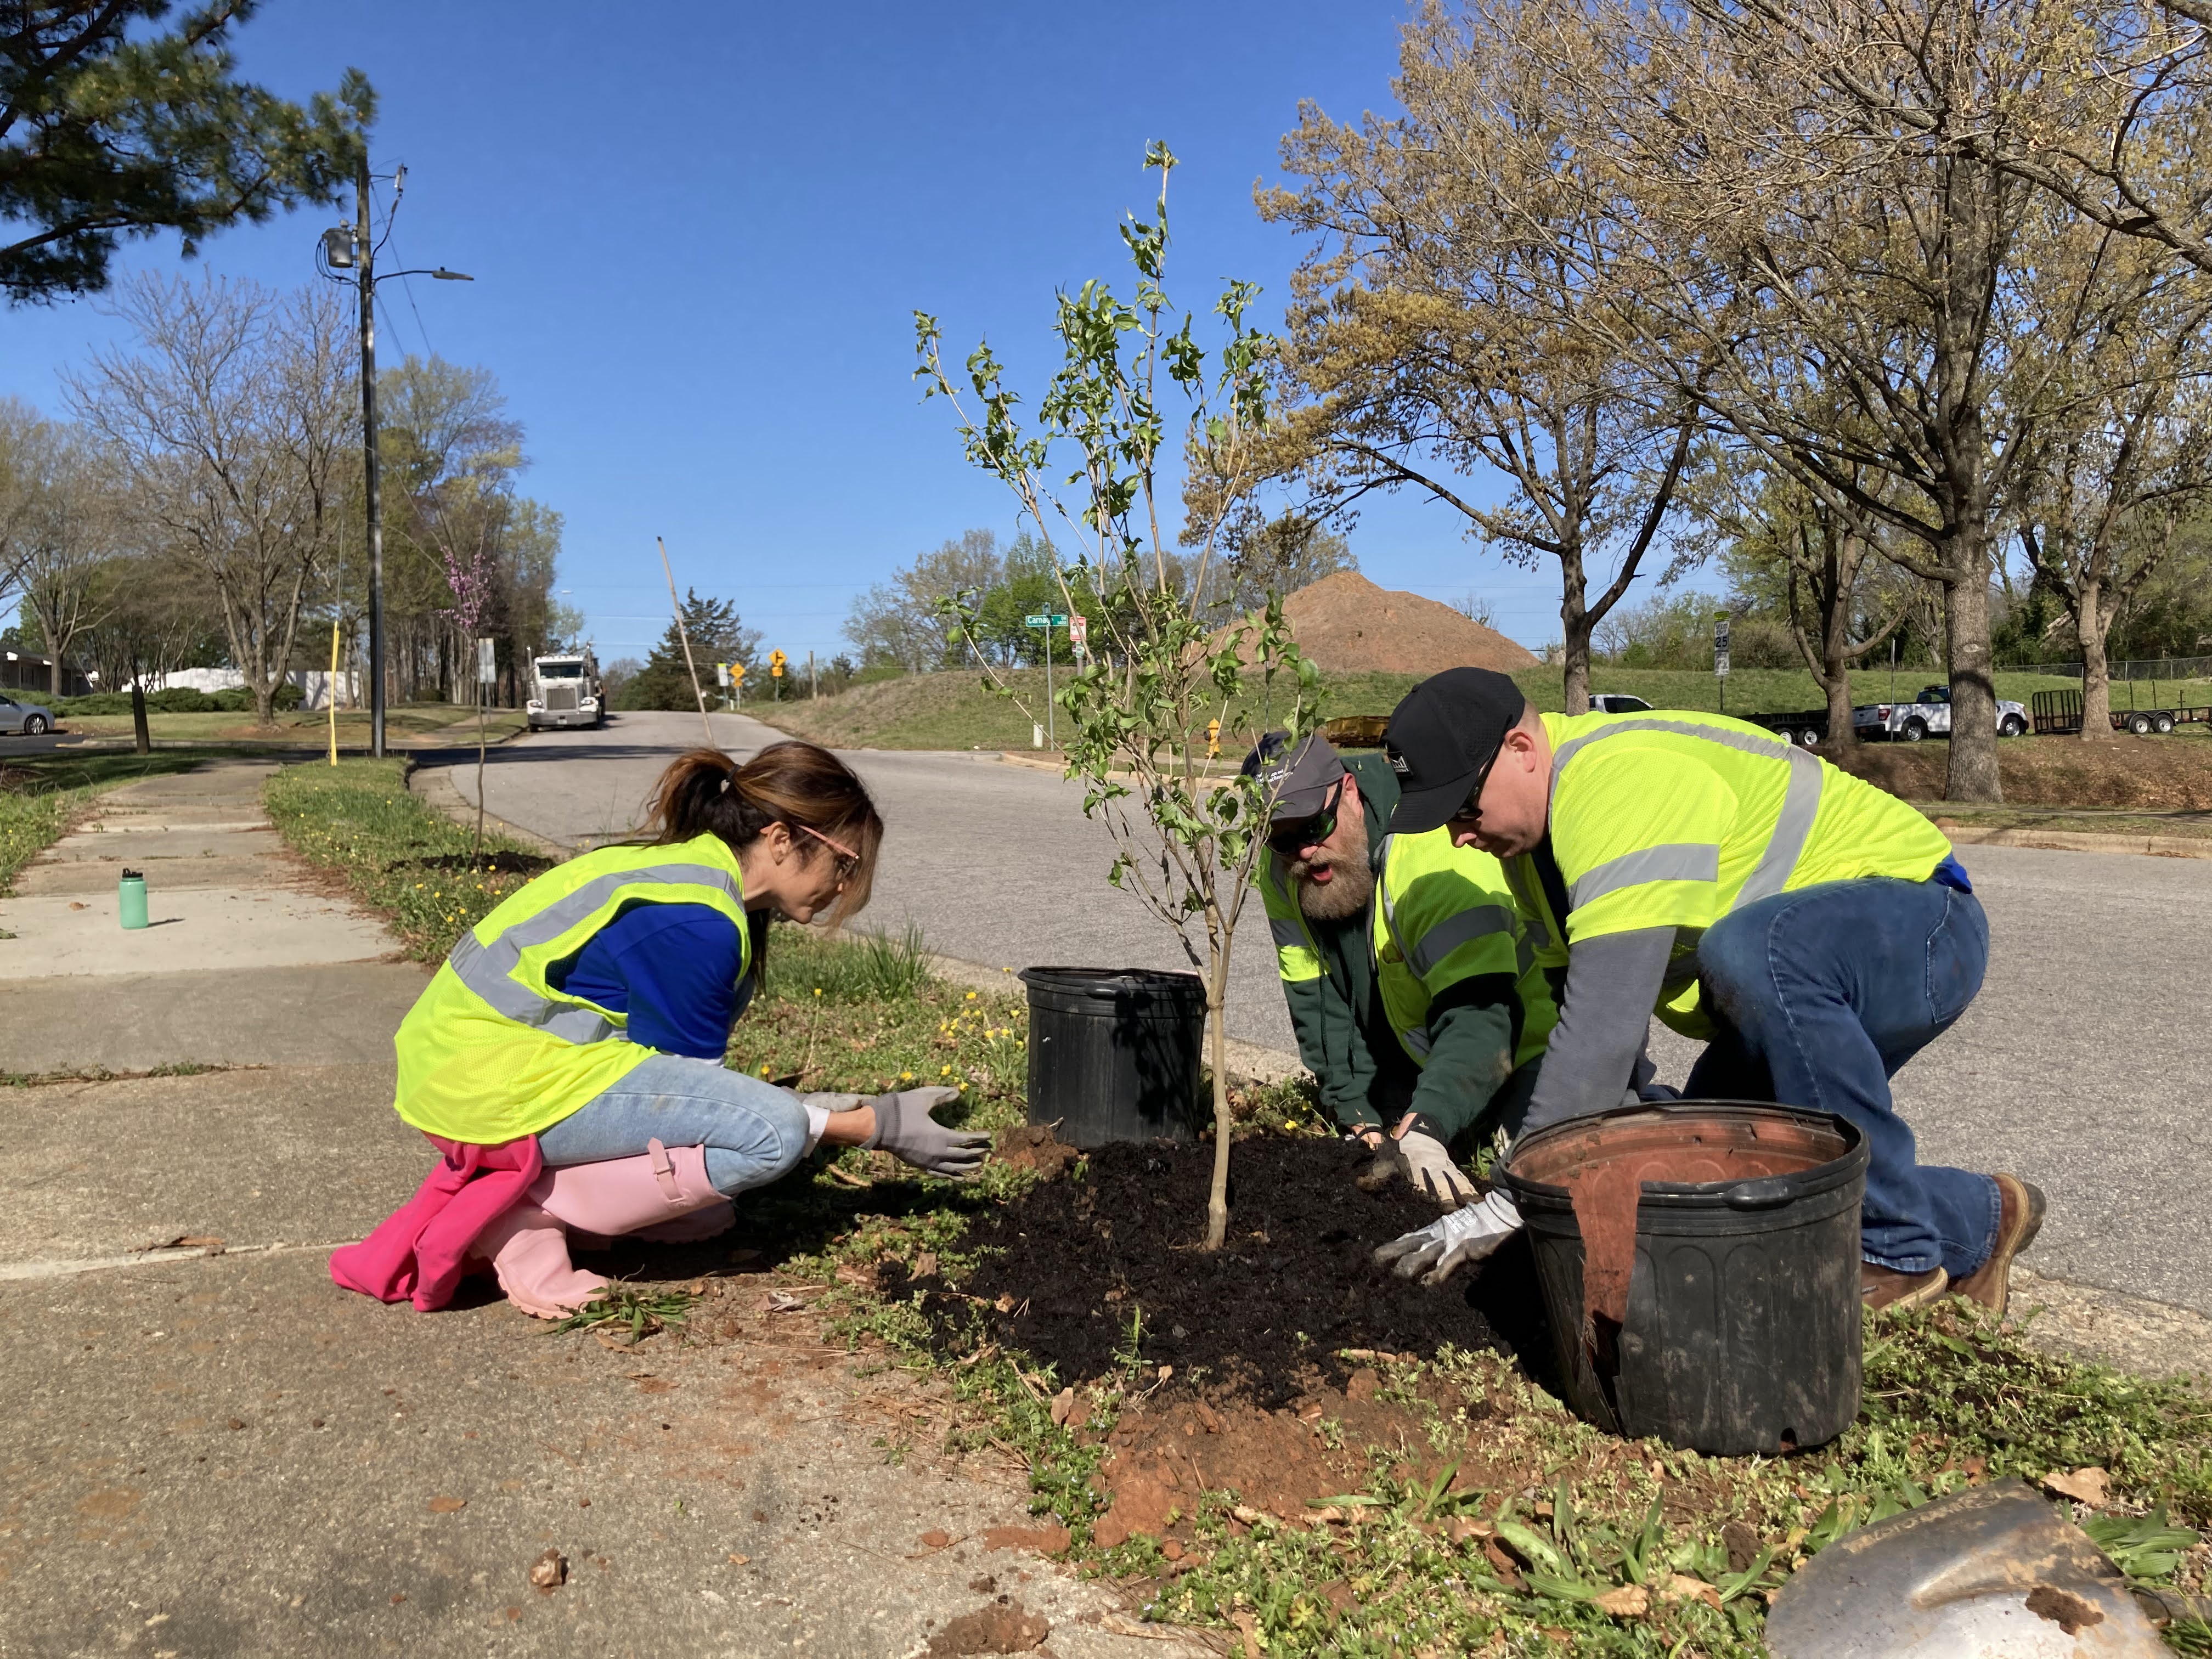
{"x": 1928, "y": 715}
{"x": 565, "y": 690}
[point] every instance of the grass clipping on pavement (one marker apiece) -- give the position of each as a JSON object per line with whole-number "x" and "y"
{"x": 1492, "y": 1520}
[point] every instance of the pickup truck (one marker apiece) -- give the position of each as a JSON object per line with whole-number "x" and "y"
{"x": 1928, "y": 716}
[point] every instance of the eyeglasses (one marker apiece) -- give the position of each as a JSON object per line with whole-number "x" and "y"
{"x": 1309, "y": 832}
{"x": 849, "y": 861}
{"x": 1471, "y": 809}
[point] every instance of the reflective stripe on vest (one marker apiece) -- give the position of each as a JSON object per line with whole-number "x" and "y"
{"x": 1398, "y": 961}
{"x": 1297, "y": 958}
{"x": 1699, "y": 860}
{"x": 490, "y": 971}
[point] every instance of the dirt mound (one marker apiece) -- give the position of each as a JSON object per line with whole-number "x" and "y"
{"x": 1078, "y": 1272}
{"x": 2171, "y": 774}
{"x": 1348, "y": 625}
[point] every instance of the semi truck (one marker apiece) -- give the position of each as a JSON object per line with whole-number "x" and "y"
{"x": 565, "y": 690}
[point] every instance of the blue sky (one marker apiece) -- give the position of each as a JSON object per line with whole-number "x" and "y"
{"x": 699, "y": 233}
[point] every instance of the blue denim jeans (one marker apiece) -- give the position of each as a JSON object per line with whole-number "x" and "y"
{"x": 754, "y": 1132}
{"x": 1821, "y": 995}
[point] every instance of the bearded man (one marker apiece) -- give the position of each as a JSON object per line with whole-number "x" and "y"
{"x": 1418, "y": 1000}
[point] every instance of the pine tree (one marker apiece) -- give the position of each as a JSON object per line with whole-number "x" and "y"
{"x": 716, "y": 635}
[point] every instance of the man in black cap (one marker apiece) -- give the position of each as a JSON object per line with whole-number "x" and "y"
{"x": 1401, "y": 961}
{"x": 1816, "y": 931}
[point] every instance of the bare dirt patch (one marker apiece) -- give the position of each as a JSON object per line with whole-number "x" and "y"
{"x": 2171, "y": 774}
{"x": 1348, "y": 625}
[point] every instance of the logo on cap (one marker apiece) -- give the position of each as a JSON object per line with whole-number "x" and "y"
{"x": 1398, "y": 763}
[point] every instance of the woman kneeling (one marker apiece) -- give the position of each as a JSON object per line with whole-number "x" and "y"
{"x": 568, "y": 1057}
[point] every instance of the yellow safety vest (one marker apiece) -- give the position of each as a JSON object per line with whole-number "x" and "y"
{"x": 491, "y": 1050}
{"x": 1446, "y": 915}
{"x": 1296, "y": 956}
{"x": 1675, "y": 819}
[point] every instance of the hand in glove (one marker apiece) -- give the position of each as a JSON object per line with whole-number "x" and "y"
{"x": 1436, "y": 1252}
{"x": 905, "y": 1129}
{"x": 1426, "y": 1161}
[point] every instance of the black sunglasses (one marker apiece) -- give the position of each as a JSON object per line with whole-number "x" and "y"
{"x": 1472, "y": 807}
{"x": 1309, "y": 832}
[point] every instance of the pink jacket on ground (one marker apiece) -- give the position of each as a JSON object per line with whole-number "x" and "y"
{"x": 419, "y": 1252}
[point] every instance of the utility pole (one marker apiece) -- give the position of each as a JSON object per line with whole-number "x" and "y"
{"x": 813, "y": 686}
{"x": 349, "y": 254}
{"x": 371, "y": 491}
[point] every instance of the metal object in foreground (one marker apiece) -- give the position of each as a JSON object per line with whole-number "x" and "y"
{"x": 1993, "y": 1571}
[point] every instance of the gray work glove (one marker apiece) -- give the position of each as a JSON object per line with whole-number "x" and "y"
{"x": 1427, "y": 1162}
{"x": 1434, "y": 1253}
{"x": 905, "y": 1129}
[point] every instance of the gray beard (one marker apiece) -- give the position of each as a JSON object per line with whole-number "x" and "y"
{"x": 1351, "y": 884}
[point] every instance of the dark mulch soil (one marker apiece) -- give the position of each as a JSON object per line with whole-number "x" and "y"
{"x": 1263, "y": 1319}
{"x": 508, "y": 864}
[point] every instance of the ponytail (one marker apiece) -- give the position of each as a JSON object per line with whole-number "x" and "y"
{"x": 798, "y": 785}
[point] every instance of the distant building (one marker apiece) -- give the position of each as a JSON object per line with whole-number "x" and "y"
{"x": 21, "y": 673}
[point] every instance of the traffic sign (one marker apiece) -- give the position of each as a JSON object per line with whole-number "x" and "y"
{"x": 1079, "y": 631}
{"x": 1721, "y": 663}
{"x": 776, "y": 661}
{"x": 1056, "y": 620}
{"x": 721, "y": 674}
{"x": 487, "y": 663}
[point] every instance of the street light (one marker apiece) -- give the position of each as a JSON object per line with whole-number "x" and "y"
{"x": 352, "y": 248}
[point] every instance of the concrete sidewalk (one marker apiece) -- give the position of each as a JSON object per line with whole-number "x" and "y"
{"x": 211, "y": 1450}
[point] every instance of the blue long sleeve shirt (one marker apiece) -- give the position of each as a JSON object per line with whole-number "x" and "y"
{"x": 672, "y": 968}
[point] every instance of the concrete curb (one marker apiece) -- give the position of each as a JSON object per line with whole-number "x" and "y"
{"x": 433, "y": 786}
{"x": 2082, "y": 840}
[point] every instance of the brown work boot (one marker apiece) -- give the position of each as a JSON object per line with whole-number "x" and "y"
{"x": 1885, "y": 1288}
{"x": 2020, "y": 1218}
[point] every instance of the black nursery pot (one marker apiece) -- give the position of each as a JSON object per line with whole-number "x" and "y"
{"x": 1113, "y": 1053}
{"x": 1743, "y": 1327}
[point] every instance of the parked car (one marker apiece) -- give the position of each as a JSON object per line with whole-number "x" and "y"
{"x": 1616, "y": 703}
{"x": 1929, "y": 716}
{"x": 26, "y": 718}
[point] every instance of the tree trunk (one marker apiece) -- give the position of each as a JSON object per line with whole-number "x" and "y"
{"x": 1575, "y": 626}
{"x": 1217, "y": 1197}
{"x": 143, "y": 740}
{"x": 2092, "y": 621}
{"x": 1973, "y": 770}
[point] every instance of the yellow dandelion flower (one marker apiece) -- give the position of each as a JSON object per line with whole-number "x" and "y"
{"x": 947, "y": 1071}
{"x": 971, "y": 996}
{"x": 905, "y": 1077}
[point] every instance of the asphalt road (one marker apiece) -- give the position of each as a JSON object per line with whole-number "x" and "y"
{"x": 2083, "y": 1065}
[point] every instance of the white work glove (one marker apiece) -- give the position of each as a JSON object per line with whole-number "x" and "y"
{"x": 1436, "y": 1252}
{"x": 1427, "y": 1162}
{"x": 905, "y": 1129}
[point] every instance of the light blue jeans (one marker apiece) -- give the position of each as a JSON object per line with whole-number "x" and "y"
{"x": 754, "y": 1132}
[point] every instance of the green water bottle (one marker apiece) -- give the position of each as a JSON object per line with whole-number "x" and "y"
{"x": 131, "y": 898}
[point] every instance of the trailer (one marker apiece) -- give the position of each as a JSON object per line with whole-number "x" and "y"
{"x": 1808, "y": 727}
{"x": 2059, "y": 714}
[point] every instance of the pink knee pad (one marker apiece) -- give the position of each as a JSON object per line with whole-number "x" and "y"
{"x": 660, "y": 1194}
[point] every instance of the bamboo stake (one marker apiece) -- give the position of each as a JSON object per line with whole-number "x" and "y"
{"x": 684, "y": 635}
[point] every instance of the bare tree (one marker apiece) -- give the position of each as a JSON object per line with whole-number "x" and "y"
{"x": 2108, "y": 479}
{"x": 1862, "y": 278}
{"x": 1772, "y": 520}
{"x": 233, "y": 420}
{"x": 66, "y": 537}
{"x": 1443, "y": 325}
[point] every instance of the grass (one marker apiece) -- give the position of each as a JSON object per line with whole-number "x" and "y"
{"x": 2193, "y": 826}
{"x": 41, "y": 795}
{"x": 417, "y": 865}
{"x": 954, "y": 710}
{"x": 407, "y": 723}
{"x": 1570, "y": 1541}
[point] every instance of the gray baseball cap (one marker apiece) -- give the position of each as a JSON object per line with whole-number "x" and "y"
{"x": 1305, "y": 774}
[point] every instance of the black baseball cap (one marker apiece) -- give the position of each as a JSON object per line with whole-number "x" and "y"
{"x": 1442, "y": 740}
